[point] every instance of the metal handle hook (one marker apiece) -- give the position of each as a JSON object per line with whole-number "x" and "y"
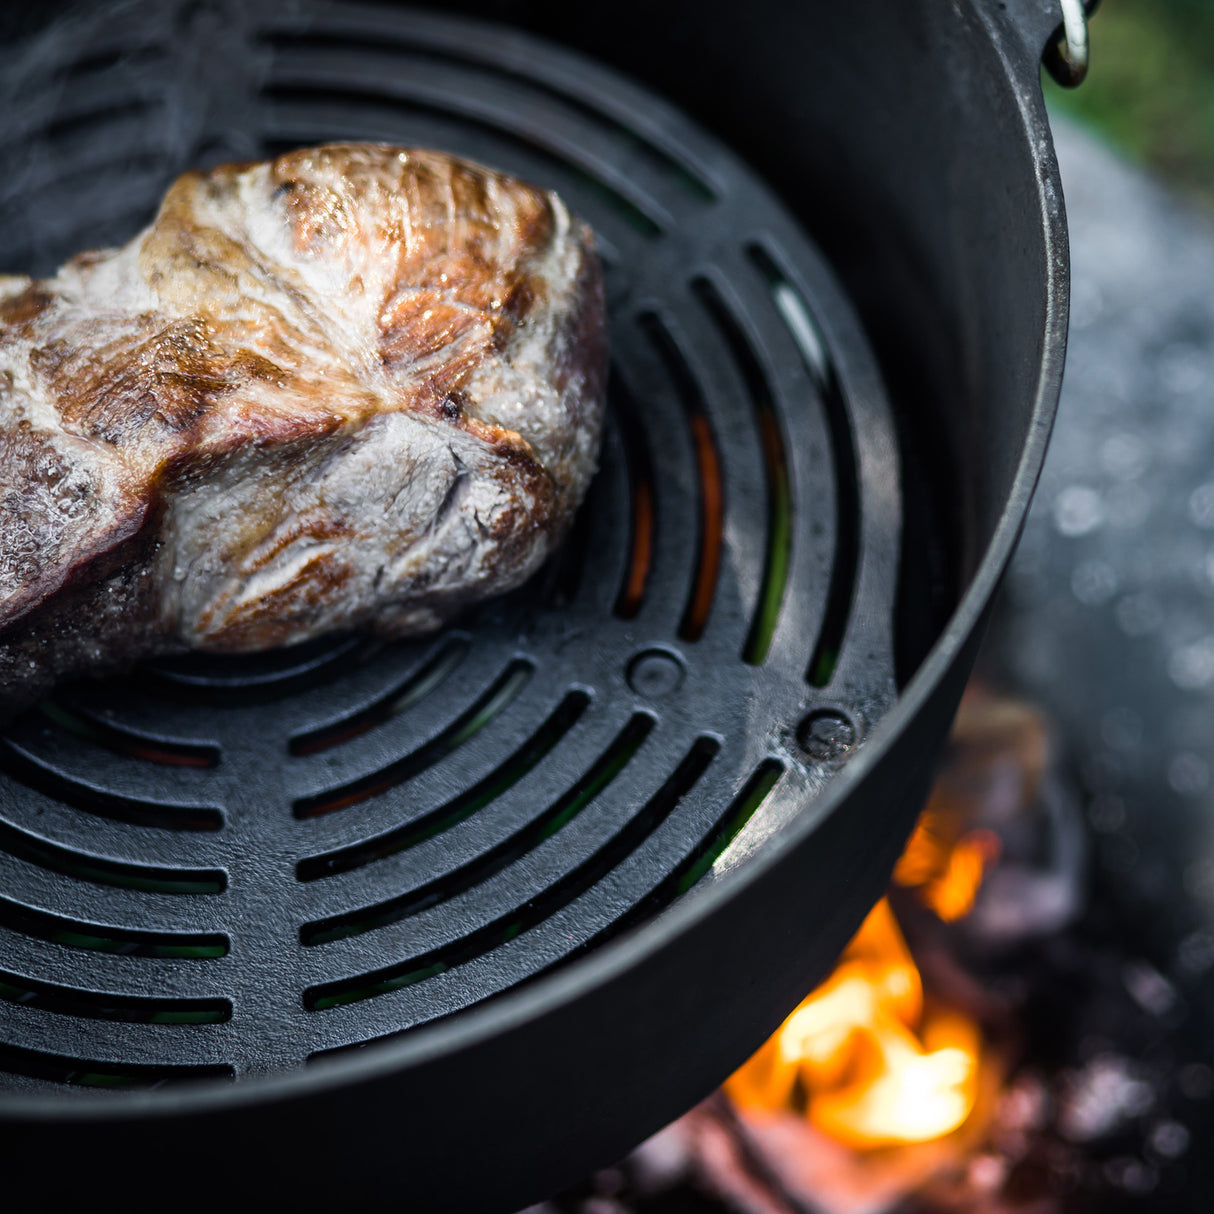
{"x": 1066, "y": 54}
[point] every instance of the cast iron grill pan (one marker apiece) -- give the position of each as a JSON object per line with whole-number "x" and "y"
{"x": 222, "y": 868}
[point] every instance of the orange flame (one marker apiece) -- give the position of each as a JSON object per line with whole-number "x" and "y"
{"x": 946, "y": 866}
{"x": 871, "y": 1068}
{"x": 865, "y": 1058}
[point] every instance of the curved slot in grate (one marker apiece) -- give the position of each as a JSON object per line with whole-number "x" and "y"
{"x": 71, "y": 126}
{"x": 111, "y": 217}
{"x": 643, "y": 513}
{"x": 550, "y": 851}
{"x": 219, "y": 680}
{"x": 95, "y": 1005}
{"x": 125, "y": 741}
{"x": 807, "y": 334}
{"x": 420, "y": 683}
{"x": 562, "y": 893}
{"x": 483, "y": 793}
{"x": 754, "y": 793}
{"x": 632, "y": 144}
{"x": 699, "y": 860}
{"x": 562, "y": 811}
{"x": 329, "y": 102}
{"x": 24, "y": 769}
{"x": 778, "y": 556}
{"x": 489, "y": 706}
{"x": 103, "y": 871}
{"x": 103, "y": 938}
{"x": 86, "y": 122}
{"x": 95, "y": 1073}
{"x": 367, "y": 986}
{"x": 98, "y": 61}
{"x": 76, "y": 97}
{"x": 87, "y": 145}
{"x": 711, "y": 481}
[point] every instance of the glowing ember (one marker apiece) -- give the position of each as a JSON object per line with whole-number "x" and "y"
{"x": 871, "y": 1067}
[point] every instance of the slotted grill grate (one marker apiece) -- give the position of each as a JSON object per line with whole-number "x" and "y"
{"x": 228, "y": 867}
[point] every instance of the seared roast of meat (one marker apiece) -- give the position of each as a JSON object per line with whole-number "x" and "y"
{"x": 354, "y": 387}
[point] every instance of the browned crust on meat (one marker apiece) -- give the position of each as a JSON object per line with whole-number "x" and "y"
{"x": 259, "y": 624}
{"x": 25, "y": 306}
{"x": 235, "y": 348}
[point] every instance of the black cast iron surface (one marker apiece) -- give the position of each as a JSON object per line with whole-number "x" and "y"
{"x": 228, "y": 870}
{"x": 231, "y": 866}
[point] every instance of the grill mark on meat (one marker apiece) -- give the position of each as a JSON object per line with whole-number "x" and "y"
{"x": 150, "y": 383}
{"x": 317, "y": 529}
{"x": 355, "y": 386}
{"x": 244, "y": 623}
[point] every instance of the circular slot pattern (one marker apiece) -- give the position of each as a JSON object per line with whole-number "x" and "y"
{"x": 223, "y": 867}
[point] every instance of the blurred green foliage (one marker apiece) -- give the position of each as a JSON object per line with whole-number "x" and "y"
{"x": 1150, "y": 88}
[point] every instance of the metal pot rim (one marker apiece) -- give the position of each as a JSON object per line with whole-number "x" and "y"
{"x": 615, "y": 959}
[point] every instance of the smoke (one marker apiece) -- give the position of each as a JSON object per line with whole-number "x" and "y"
{"x": 101, "y": 108}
